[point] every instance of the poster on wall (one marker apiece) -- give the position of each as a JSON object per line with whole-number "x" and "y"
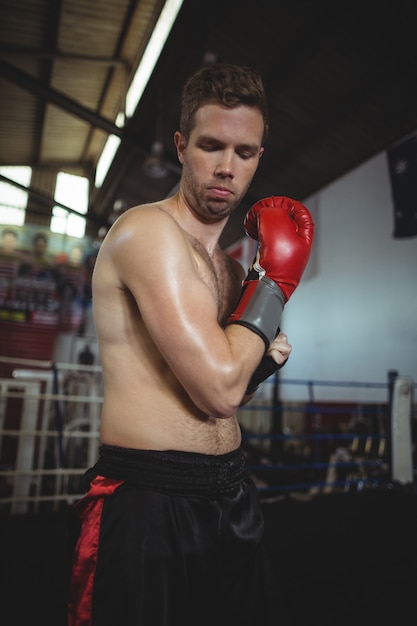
{"x": 44, "y": 283}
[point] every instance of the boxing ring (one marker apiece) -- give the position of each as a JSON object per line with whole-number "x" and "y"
{"x": 326, "y": 445}
{"x": 301, "y": 437}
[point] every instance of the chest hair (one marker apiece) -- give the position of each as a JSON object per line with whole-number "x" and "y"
{"x": 221, "y": 277}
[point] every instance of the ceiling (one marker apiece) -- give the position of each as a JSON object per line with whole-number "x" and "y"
{"x": 340, "y": 79}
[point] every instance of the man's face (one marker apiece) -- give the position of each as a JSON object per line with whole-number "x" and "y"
{"x": 9, "y": 242}
{"x": 220, "y": 158}
{"x": 39, "y": 247}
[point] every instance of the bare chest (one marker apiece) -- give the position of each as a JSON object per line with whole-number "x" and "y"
{"x": 220, "y": 277}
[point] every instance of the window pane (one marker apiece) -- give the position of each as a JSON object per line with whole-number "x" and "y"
{"x": 75, "y": 225}
{"x": 59, "y": 220}
{"x": 72, "y": 191}
{"x": 13, "y": 201}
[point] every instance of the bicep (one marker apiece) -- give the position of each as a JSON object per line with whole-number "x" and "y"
{"x": 177, "y": 307}
{"x": 180, "y": 314}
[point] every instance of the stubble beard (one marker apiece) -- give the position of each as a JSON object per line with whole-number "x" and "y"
{"x": 208, "y": 210}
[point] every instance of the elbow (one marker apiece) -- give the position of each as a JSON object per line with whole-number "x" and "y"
{"x": 221, "y": 399}
{"x": 223, "y": 410}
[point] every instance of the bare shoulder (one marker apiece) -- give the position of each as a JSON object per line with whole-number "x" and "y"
{"x": 142, "y": 221}
{"x": 145, "y": 240}
{"x": 139, "y": 231}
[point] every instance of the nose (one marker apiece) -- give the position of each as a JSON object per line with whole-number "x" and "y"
{"x": 224, "y": 166}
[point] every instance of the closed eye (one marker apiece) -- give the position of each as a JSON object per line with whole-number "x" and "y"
{"x": 210, "y": 146}
{"x": 243, "y": 151}
{"x": 246, "y": 154}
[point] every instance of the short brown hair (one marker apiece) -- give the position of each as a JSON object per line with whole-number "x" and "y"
{"x": 227, "y": 84}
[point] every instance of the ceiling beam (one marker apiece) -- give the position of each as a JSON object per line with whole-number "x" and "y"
{"x": 56, "y": 55}
{"x": 17, "y": 76}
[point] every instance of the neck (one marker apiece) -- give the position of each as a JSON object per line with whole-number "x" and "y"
{"x": 207, "y": 234}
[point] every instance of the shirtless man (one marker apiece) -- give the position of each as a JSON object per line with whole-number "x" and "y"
{"x": 171, "y": 526}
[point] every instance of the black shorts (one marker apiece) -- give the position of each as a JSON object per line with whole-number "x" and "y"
{"x": 171, "y": 538}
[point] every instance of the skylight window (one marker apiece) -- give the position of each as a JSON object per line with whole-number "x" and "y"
{"x": 13, "y": 201}
{"x": 71, "y": 191}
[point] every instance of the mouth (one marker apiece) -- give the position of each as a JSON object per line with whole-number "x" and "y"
{"x": 221, "y": 193}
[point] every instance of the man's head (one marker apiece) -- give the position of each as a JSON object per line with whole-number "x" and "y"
{"x": 223, "y": 127}
{"x": 226, "y": 84}
{"x": 40, "y": 244}
{"x": 8, "y": 240}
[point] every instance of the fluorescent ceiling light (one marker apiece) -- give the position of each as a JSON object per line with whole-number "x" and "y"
{"x": 139, "y": 82}
{"x": 106, "y": 157}
{"x": 151, "y": 54}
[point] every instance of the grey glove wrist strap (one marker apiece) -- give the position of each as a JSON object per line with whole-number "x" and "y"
{"x": 262, "y": 313}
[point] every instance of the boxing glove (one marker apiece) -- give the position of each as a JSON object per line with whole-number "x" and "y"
{"x": 284, "y": 230}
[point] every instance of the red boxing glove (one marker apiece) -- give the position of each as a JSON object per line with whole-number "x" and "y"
{"x": 284, "y": 229}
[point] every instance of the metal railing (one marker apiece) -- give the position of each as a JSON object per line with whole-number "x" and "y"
{"x": 49, "y": 432}
{"x": 50, "y": 420}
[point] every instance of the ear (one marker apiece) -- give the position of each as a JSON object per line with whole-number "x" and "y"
{"x": 261, "y": 151}
{"x": 180, "y": 144}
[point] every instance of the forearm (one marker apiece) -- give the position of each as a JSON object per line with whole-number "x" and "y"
{"x": 214, "y": 367}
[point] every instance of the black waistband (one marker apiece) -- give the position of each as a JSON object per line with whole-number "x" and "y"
{"x": 171, "y": 470}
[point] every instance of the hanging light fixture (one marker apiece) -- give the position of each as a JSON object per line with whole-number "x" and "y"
{"x": 155, "y": 165}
